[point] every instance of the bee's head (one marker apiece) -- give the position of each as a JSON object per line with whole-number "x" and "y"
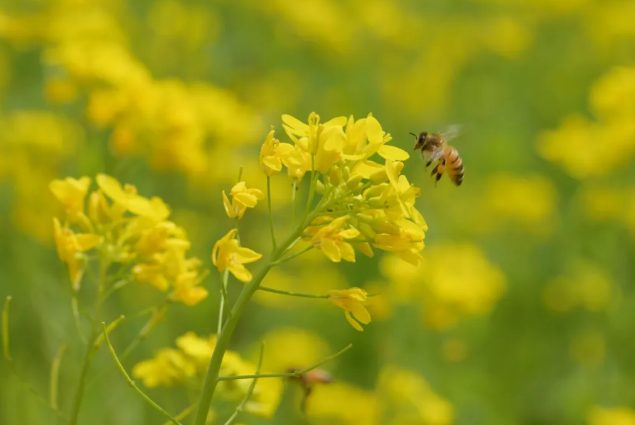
{"x": 420, "y": 140}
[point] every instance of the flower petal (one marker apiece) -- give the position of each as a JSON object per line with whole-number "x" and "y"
{"x": 228, "y": 206}
{"x": 348, "y": 253}
{"x": 246, "y": 199}
{"x": 294, "y": 125}
{"x": 393, "y": 152}
{"x": 240, "y": 272}
{"x": 373, "y": 131}
{"x": 246, "y": 255}
{"x": 353, "y": 323}
{"x": 331, "y": 250}
{"x": 360, "y": 313}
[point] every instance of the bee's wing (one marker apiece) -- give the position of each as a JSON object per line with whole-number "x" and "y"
{"x": 452, "y": 132}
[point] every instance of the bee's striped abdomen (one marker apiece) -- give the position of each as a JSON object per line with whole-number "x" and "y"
{"x": 454, "y": 165}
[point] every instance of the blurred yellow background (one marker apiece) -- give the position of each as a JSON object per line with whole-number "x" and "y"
{"x": 522, "y": 310}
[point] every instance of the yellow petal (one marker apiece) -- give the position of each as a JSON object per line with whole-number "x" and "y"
{"x": 294, "y": 125}
{"x": 246, "y": 199}
{"x": 393, "y": 152}
{"x": 246, "y": 255}
{"x": 331, "y": 250}
{"x": 337, "y": 121}
{"x": 228, "y": 206}
{"x": 238, "y": 187}
{"x": 349, "y": 233}
{"x": 365, "y": 248}
{"x": 353, "y": 322}
{"x": 366, "y": 168}
{"x": 393, "y": 172}
{"x": 87, "y": 241}
{"x": 191, "y": 296}
{"x": 273, "y": 163}
{"x": 348, "y": 253}
{"x": 111, "y": 187}
{"x": 373, "y": 131}
{"x": 240, "y": 272}
{"x": 360, "y": 313}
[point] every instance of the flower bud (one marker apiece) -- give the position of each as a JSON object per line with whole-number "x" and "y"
{"x": 354, "y": 181}
{"x": 336, "y": 177}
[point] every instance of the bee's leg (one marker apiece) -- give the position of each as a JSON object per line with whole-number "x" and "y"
{"x": 305, "y": 398}
{"x": 434, "y": 170}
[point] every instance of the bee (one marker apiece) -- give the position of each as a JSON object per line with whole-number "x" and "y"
{"x": 309, "y": 380}
{"x": 434, "y": 147}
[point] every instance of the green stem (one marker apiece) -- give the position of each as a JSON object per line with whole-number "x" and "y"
{"x": 184, "y": 414}
{"x": 314, "y": 178}
{"x": 289, "y": 293}
{"x": 292, "y": 256}
{"x": 131, "y": 382}
{"x": 221, "y": 308}
{"x": 294, "y": 374}
{"x": 273, "y": 233}
{"x": 250, "y": 391}
{"x": 54, "y": 376}
{"x": 90, "y": 346}
{"x": 237, "y": 311}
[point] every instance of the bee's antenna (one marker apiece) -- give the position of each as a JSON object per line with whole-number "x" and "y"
{"x": 413, "y": 134}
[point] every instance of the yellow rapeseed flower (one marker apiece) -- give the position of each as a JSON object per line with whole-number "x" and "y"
{"x": 331, "y": 240}
{"x": 351, "y": 301}
{"x": 69, "y": 246}
{"x": 127, "y": 198}
{"x": 242, "y": 198}
{"x": 71, "y": 193}
{"x": 610, "y": 416}
{"x": 229, "y": 255}
{"x": 168, "y": 368}
{"x": 270, "y": 155}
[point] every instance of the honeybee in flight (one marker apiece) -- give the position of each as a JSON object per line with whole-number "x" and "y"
{"x": 309, "y": 380}
{"x": 434, "y": 147}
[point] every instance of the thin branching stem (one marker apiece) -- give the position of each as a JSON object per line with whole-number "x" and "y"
{"x": 294, "y": 374}
{"x": 271, "y": 227}
{"x": 54, "y": 376}
{"x": 250, "y": 391}
{"x": 131, "y": 382}
{"x": 289, "y": 293}
{"x": 90, "y": 346}
{"x": 294, "y": 255}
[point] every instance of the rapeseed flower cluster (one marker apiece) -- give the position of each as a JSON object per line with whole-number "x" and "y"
{"x": 129, "y": 234}
{"x": 585, "y": 285}
{"x": 454, "y": 281}
{"x": 186, "y": 365}
{"x": 364, "y": 204}
{"x": 586, "y": 147}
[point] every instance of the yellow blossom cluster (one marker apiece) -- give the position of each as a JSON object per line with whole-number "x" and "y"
{"x": 618, "y": 415}
{"x": 367, "y": 204}
{"x": 363, "y": 204}
{"x": 453, "y": 282}
{"x": 526, "y": 200}
{"x": 188, "y": 363}
{"x": 126, "y": 231}
{"x": 587, "y": 148}
{"x": 33, "y": 144}
{"x": 412, "y": 397}
{"x": 88, "y": 63}
{"x": 586, "y": 286}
